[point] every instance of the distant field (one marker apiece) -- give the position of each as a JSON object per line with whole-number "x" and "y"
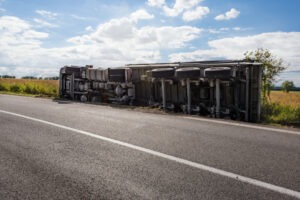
{"x": 291, "y": 98}
{"x": 30, "y": 86}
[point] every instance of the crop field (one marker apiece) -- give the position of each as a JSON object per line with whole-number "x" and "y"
{"x": 283, "y": 108}
{"x": 32, "y": 87}
{"x": 291, "y": 98}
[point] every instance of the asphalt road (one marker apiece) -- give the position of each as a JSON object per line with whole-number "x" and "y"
{"x": 53, "y": 159}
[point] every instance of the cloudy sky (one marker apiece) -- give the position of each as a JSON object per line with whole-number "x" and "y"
{"x": 38, "y": 37}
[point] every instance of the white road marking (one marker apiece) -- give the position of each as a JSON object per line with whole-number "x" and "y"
{"x": 244, "y": 125}
{"x": 213, "y": 170}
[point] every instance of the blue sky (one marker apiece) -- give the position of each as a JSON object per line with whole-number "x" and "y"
{"x": 38, "y": 37}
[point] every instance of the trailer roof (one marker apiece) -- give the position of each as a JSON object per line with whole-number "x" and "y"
{"x": 196, "y": 63}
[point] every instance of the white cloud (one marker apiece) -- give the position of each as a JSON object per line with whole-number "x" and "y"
{"x": 107, "y": 46}
{"x": 226, "y": 29}
{"x": 237, "y": 28}
{"x": 124, "y": 31}
{"x": 197, "y": 13}
{"x": 285, "y": 45}
{"x": 190, "y": 9}
{"x": 89, "y": 28}
{"x": 18, "y": 25}
{"x": 20, "y": 34}
{"x": 166, "y": 37}
{"x": 43, "y": 23}
{"x": 116, "y": 29}
{"x": 18, "y": 42}
{"x": 140, "y": 15}
{"x": 47, "y": 14}
{"x": 179, "y": 7}
{"x": 80, "y": 40}
{"x": 233, "y": 13}
{"x": 156, "y": 3}
{"x": 31, "y": 34}
{"x": 114, "y": 43}
{"x": 21, "y": 51}
{"x": 119, "y": 29}
{"x": 123, "y": 34}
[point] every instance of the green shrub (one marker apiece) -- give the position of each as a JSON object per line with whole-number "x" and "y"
{"x": 28, "y": 89}
{"x": 4, "y": 87}
{"x": 282, "y": 114}
{"x": 15, "y": 88}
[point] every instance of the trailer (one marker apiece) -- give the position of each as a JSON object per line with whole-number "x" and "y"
{"x": 220, "y": 89}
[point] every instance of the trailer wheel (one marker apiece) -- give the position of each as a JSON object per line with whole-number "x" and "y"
{"x": 189, "y": 72}
{"x": 217, "y": 72}
{"x": 163, "y": 73}
{"x": 83, "y": 98}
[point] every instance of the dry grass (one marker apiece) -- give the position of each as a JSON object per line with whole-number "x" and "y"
{"x": 283, "y": 108}
{"x": 29, "y": 86}
{"x": 33, "y": 81}
{"x": 290, "y": 99}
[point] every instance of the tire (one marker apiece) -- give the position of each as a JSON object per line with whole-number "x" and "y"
{"x": 163, "y": 73}
{"x": 218, "y": 72}
{"x": 116, "y": 75}
{"x": 189, "y": 72}
{"x": 83, "y": 98}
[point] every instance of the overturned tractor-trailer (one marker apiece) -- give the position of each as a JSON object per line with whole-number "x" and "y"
{"x": 221, "y": 89}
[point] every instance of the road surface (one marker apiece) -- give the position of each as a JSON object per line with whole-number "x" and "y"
{"x": 66, "y": 150}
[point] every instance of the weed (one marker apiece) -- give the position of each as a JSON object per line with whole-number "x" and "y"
{"x": 4, "y": 87}
{"x": 281, "y": 114}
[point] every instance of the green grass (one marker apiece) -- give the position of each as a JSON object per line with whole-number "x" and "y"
{"x": 18, "y": 94}
{"x": 281, "y": 114}
{"x": 46, "y": 88}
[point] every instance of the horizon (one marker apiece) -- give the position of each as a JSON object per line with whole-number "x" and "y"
{"x": 38, "y": 38}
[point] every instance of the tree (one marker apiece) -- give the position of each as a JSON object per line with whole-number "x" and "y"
{"x": 287, "y": 86}
{"x": 29, "y": 77}
{"x": 8, "y": 76}
{"x": 271, "y": 67}
{"x": 51, "y": 78}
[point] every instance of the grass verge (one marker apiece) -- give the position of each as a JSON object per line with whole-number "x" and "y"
{"x": 27, "y": 87}
{"x": 282, "y": 108}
